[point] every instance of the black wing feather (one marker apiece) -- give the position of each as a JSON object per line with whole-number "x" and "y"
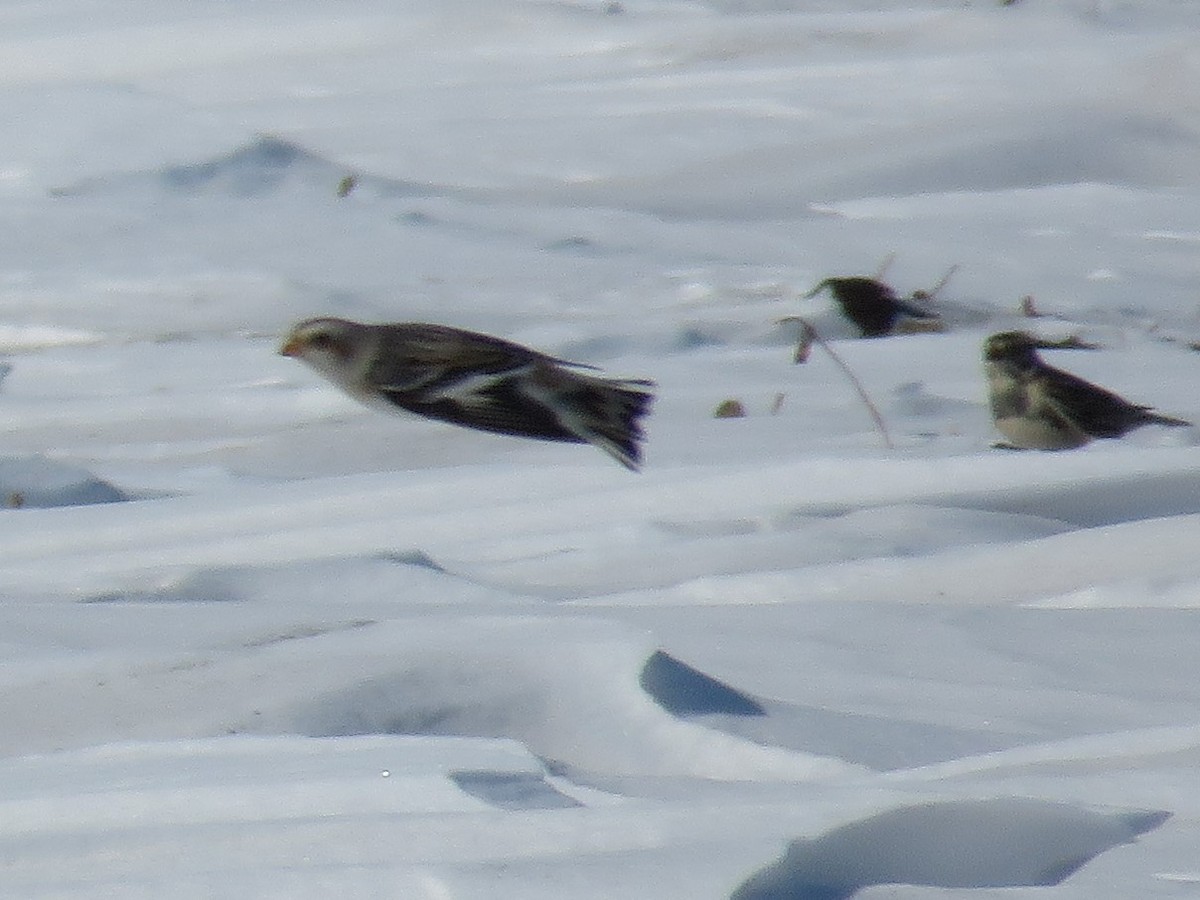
{"x": 1098, "y": 412}
{"x": 506, "y": 411}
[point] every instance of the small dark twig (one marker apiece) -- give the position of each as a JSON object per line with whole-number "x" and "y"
{"x": 930, "y": 295}
{"x": 803, "y": 343}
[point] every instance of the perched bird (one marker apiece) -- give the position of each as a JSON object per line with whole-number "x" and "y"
{"x": 870, "y": 304}
{"x": 477, "y": 381}
{"x": 1039, "y": 407}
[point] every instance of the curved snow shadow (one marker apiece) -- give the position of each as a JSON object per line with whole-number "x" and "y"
{"x": 877, "y": 742}
{"x": 596, "y": 706}
{"x": 1091, "y": 503}
{"x": 39, "y": 483}
{"x": 683, "y": 691}
{"x": 588, "y": 699}
{"x": 299, "y": 583}
{"x": 511, "y": 790}
{"x": 1005, "y": 842}
{"x": 874, "y": 741}
{"x": 262, "y": 167}
{"x": 257, "y": 168}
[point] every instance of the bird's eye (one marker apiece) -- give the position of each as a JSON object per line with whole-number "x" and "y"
{"x": 321, "y": 341}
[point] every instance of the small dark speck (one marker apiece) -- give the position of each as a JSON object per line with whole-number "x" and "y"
{"x": 418, "y": 558}
{"x": 416, "y": 217}
{"x": 691, "y": 338}
{"x": 573, "y": 244}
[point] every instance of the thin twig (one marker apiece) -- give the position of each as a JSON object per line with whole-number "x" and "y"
{"x": 884, "y": 266}
{"x": 803, "y": 343}
{"x": 809, "y": 333}
{"x": 937, "y": 288}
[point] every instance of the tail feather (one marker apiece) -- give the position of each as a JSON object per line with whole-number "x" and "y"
{"x": 1160, "y": 419}
{"x": 607, "y": 414}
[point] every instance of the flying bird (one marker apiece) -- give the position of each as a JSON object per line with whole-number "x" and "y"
{"x": 1038, "y": 407}
{"x": 870, "y": 304}
{"x": 477, "y": 381}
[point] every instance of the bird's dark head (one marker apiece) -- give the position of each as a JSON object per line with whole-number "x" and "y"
{"x": 1012, "y": 347}
{"x": 854, "y": 288}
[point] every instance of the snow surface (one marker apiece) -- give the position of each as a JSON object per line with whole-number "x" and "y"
{"x": 261, "y": 642}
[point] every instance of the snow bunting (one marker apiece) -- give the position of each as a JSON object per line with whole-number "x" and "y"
{"x": 1039, "y": 407}
{"x": 477, "y": 381}
{"x": 870, "y": 304}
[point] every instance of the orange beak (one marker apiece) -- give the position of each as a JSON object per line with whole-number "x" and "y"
{"x": 291, "y": 347}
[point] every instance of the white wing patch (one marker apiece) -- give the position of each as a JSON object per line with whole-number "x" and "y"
{"x": 469, "y": 392}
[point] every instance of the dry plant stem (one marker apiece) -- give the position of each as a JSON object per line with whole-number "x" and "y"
{"x": 862, "y": 393}
{"x": 809, "y": 334}
{"x": 803, "y": 343}
{"x": 937, "y": 288}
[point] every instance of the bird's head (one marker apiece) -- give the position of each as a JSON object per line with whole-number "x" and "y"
{"x": 334, "y": 347}
{"x": 1012, "y": 347}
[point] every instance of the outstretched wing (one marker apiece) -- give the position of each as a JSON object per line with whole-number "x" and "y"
{"x": 417, "y": 356}
{"x": 465, "y": 378}
{"x": 478, "y": 381}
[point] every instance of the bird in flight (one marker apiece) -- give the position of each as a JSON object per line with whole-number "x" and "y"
{"x": 476, "y": 381}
